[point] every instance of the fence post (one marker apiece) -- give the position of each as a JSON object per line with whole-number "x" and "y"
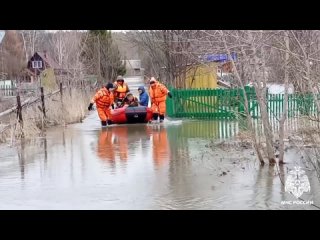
{"x": 19, "y": 109}
{"x": 43, "y": 105}
{"x": 242, "y": 101}
{"x": 61, "y": 98}
{"x": 169, "y": 104}
{"x": 61, "y": 93}
{"x": 19, "y": 114}
{"x": 69, "y": 83}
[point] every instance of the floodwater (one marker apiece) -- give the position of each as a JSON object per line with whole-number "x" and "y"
{"x": 142, "y": 167}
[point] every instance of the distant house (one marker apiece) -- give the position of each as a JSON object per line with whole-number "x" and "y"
{"x": 133, "y": 67}
{"x": 202, "y": 76}
{"x": 194, "y": 76}
{"x": 38, "y": 63}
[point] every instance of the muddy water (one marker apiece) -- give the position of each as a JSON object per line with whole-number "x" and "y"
{"x": 141, "y": 167}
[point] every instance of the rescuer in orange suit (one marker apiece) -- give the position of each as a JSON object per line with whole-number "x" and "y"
{"x": 120, "y": 91}
{"x": 161, "y": 150}
{"x": 104, "y": 100}
{"x": 158, "y": 95}
{"x": 105, "y": 149}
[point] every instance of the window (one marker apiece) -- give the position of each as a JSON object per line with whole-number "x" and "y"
{"x": 27, "y": 79}
{"x": 36, "y": 64}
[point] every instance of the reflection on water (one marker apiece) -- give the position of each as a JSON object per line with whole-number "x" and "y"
{"x": 118, "y": 143}
{"x": 161, "y": 151}
{"x": 21, "y": 156}
{"x": 209, "y": 129}
{"x": 105, "y": 149}
{"x": 140, "y": 167}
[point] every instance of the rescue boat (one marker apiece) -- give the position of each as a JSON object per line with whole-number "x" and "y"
{"x": 130, "y": 115}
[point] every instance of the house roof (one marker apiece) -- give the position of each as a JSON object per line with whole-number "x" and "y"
{"x": 49, "y": 60}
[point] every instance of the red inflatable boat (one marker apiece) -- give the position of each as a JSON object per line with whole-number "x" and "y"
{"x": 126, "y": 114}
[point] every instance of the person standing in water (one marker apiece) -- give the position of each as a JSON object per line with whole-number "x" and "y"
{"x": 104, "y": 100}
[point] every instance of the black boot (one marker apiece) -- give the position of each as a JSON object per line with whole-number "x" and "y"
{"x": 155, "y": 116}
{"x": 161, "y": 118}
{"x": 103, "y": 123}
{"x": 109, "y": 122}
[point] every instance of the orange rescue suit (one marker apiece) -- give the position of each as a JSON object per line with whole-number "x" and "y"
{"x": 121, "y": 90}
{"x": 103, "y": 99}
{"x": 158, "y": 94}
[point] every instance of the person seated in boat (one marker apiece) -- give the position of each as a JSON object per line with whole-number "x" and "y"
{"x": 130, "y": 101}
{"x": 143, "y": 96}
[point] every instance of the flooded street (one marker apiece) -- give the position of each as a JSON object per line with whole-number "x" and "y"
{"x": 141, "y": 167}
{"x": 239, "y": 112}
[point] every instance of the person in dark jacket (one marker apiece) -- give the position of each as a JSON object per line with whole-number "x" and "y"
{"x": 143, "y": 97}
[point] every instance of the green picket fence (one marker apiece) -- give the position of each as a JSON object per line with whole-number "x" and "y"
{"x": 230, "y": 104}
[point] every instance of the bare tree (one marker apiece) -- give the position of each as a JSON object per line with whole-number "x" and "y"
{"x": 101, "y": 56}
{"x": 285, "y": 106}
{"x": 12, "y": 54}
{"x": 242, "y": 85}
{"x": 67, "y": 47}
{"x": 170, "y": 53}
{"x": 32, "y": 41}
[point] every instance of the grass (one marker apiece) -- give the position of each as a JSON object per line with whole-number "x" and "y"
{"x": 6, "y": 103}
{"x": 72, "y": 110}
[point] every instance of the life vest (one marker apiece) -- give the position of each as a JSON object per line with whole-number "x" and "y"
{"x": 103, "y": 98}
{"x": 158, "y": 93}
{"x": 120, "y": 91}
